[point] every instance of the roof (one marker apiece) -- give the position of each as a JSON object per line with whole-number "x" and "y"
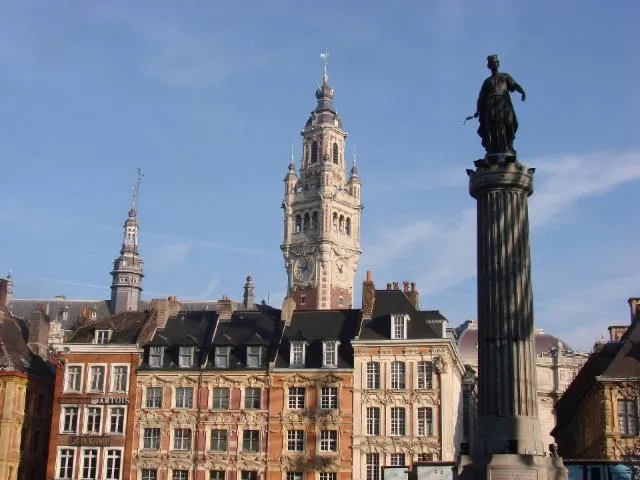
{"x": 15, "y": 355}
{"x": 315, "y": 326}
{"x": 422, "y": 324}
{"x": 125, "y": 328}
{"x": 627, "y": 361}
{"x": 22, "y": 308}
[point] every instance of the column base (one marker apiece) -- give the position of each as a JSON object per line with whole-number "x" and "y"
{"x": 506, "y": 466}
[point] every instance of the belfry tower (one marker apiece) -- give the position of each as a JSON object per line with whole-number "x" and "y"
{"x": 127, "y": 268}
{"x": 322, "y": 208}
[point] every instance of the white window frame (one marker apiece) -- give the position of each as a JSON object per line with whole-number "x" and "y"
{"x": 142, "y": 469}
{"x": 244, "y": 398}
{"x": 422, "y": 430}
{"x": 251, "y": 353}
{"x": 293, "y": 400}
{"x": 324, "y": 444}
{"x": 90, "y": 366}
{"x": 259, "y": 440}
{"x": 372, "y": 470}
{"x": 188, "y": 470}
{"x": 330, "y": 397}
{"x": 213, "y": 405}
{"x": 66, "y": 377}
{"x": 328, "y": 476}
{"x": 398, "y": 459}
{"x": 219, "y": 352}
{"x": 85, "y": 422}
{"x": 398, "y": 379}
{"x": 83, "y": 450}
{"x": 146, "y": 391}
{"x": 105, "y": 451}
{"x": 156, "y": 352}
{"x": 373, "y": 375}
{"x": 124, "y": 419}
{"x": 59, "y": 462}
{"x": 424, "y": 381}
{"x": 297, "y": 348}
{"x": 399, "y": 321}
{"x": 294, "y": 476}
{"x": 186, "y": 356}
{"x": 210, "y": 440}
{"x": 398, "y": 423}
{"x": 78, "y": 426}
{"x": 373, "y": 421}
{"x": 297, "y": 437}
{"x": 173, "y": 439}
{"x": 210, "y": 477}
{"x": 175, "y": 397}
{"x": 112, "y": 380}
{"x": 330, "y": 353}
{"x": 102, "y": 334}
{"x": 142, "y": 437}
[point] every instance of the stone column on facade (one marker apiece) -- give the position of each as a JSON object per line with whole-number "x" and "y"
{"x": 509, "y": 438}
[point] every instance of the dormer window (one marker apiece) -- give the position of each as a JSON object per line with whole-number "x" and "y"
{"x": 330, "y": 353}
{"x": 399, "y": 327}
{"x": 102, "y": 336}
{"x": 94, "y": 314}
{"x": 155, "y": 356}
{"x": 254, "y": 356}
{"x": 297, "y": 354}
{"x": 185, "y": 357}
{"x": 222, "y": 357}
{"x": 65, "y": 314}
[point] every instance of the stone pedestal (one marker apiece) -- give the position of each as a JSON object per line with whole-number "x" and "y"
{"x": 509, "y": 439}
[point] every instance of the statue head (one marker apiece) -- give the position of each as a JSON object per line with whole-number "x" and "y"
{"x": 493, "y": 62}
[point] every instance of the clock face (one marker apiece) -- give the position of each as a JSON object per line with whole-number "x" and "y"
{"x": 303, "y": 269}
{"x": 341, "y": 270}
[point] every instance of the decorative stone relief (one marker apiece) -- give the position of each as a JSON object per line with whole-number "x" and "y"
{"x": 440, "y": 364}
{"x": 254, "y": 381}
{"x": 151, "y": 381}
{"x": 299, "y": 379}
{"x": 221, "y": 381}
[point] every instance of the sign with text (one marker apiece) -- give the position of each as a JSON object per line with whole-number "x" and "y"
{"x": 80, "y": 441}
{"x": 395, "y": 473}
{"x": 110, "y": 401}
{"x": 434, "y": 472}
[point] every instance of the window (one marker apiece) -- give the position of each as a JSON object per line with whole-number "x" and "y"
{"x": 154, "y": 397}
{"x": 425, "y": 374}
{"x": 149, "y": 474}
{"x": 69, "y": 419}
{"x": 184, "y": 397}
{"x": 314, "y": 152}
{"x": 120, "y": 379}
{"x": 398, "y": 421}
{"x": 425, "y": 422}
{"x": 328, "y": 440}
{"x": 297, "y": 354}
{"x": 65, "y": 464}
{"x": 328, "y": 476}
{"x": 296, "y": 398}
{"x": 398, "y": 327}
{"x": 254, "y": 356}
{"x": 335, "y": 153}
{"x": 295, "y": 440}
{"x": 628, "y": 417}
{"x": 222, "y": 357}
{"x": 424, "y": 457}
{"x": 89, "y": 463}
{"x": 151, "y": 439}
{"x": 330, "y": 353}
{"x": 113, "y": 464}
{"x": 249, "y": 475}
{"x": 102, "y": 336}
{"x": 182, "y": 439}
{"x": 185, "y": 357}
{"x": 219, "y": 440}
{"x": 74, "y": 378}
{"x": 373, "y": 375}
{"x": 372, "y": 461}
{"x": 397, "y": 460}
{"x": 155, "y": 356}
{"x": 295, "y": 476}
{"x": 329, "y": 398}
{"x": 398, "y": 375}
{"x": 116, "y": 420}
{"x": 373, "y": 421}
{"x": 220, "y": 398}
{"x": 93, "y": 417}
{"x": 216, "y": 475}
{"x": 252, "y": 398}
{"x": 298, "y": 223}
{"x": 180, "y": 475}
{"x": 96, "y": 379}
{"x": 251, "y": 441}
{"x": 347, "y": 226}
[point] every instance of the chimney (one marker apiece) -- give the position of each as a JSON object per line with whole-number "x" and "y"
{"x": 412, "y": 295}
{"x": 388, "y": 285}
{"x": 634, "y": 305}
{"x": 4, "y": 292}
{"x": 288, "y": 306}
{"x": 395, "y": 286}
{"x": 165, "y": 309}
{"x": 38, "y": 330}
{"x": 9, "y": 288}
{"x": 405, "y": 286}
{"x": 616, "y": 332}
{"x": 224, "y": 308}
{"x": 248, "y": 300}
{"x": 368, "y": 296}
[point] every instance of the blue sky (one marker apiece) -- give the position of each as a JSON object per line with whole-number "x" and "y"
{"x": 207, "y": 98}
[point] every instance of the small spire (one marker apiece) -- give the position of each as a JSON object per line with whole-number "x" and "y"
{"x": 325, "y": 56}
{"x": 135, "y": 188}
{"x": 292, "y": 166}
{"x": 354, "y": 168}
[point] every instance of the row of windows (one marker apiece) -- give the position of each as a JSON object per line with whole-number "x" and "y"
{"x": 297, "y": 354}
{"x": 372, "y": 462}
{"x": 311, "y": 154}
{"x": 398, "y": 377}
{"x": 93, "y": 419}
{"x": 88, "y": 466}
{"x": 309, "y": 223}
{"x": 398, "y": 421}
{"x": 186, "y": 356}
{"x": 183, "y": 398}
{"x": 180, "y": 474}
{"x": 96, "y": 380}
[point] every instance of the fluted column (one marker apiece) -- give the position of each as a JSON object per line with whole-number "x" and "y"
{"x": 507, "y": 408}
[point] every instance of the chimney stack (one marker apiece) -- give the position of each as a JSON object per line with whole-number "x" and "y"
{"x": 405, "y": 286}
{"x": 395, "y": 286}
{"x": 224, "y": 308}
{"x": 413, "y": 296}
{"x": 165, "y": 309}
{"x": 616, "y": 332}
{"x": 368, "y": 296}
{"x": 4, "y": 292}
{"x": 634, "y": 305}
{"x": 388, "y": 285}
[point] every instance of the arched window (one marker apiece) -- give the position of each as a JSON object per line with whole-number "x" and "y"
{"x": 314, "y": 152}
{"x": 335, "y": 153}
{"x": 307, "y": 222}
{"x": 314, "y": 221}
{"x": 347, "y": 227}
{"x": 341, "y": 224}
{"x": 298, "y": 224}
{"x": 335, "y": 222}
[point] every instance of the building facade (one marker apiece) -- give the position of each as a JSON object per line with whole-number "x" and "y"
{"x": 322, "y": 208}
{"x": 407, "y": 384}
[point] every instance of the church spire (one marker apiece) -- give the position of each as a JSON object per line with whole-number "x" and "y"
{"x": 127, "y": 268}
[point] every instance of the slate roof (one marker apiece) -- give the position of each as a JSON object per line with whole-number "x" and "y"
{"x": 125, "y": 328}
{"x": 22, "y": 308}
{"x": 15, "y": 355}
{"x": 423, "y": 324}
{"x": 316, "y": 326}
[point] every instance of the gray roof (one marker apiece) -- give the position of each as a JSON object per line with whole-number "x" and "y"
{"x": 55, "y": 308}
{"x": 15, "y": 355}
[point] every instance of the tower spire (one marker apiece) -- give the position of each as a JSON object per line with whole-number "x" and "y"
{"x": 135, "y": 190}
{"x": 325, "y": 56}
{"x": 354, "y": 168}
{"x": 292, "y": 165}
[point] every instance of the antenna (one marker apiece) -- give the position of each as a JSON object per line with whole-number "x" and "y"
{"x": 136, "y": 189}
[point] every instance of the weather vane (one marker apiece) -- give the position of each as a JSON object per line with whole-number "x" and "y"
{"x": 325, "y": 56}
{"x": 136, "y": 188}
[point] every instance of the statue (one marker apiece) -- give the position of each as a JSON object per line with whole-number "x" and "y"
{"x": 498, "y": 122}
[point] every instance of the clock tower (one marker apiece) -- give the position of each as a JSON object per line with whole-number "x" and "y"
{"x": 322, "y": 208}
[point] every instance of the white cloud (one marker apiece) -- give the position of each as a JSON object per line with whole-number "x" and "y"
{"x": 171, "y": 255}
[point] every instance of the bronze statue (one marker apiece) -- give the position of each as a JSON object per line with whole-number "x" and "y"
{"x": 498, "y": 122}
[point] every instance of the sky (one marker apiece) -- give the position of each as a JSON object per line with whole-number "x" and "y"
{"x": 207, "y": 97}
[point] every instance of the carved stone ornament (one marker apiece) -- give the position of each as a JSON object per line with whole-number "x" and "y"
{"x": 440, "y": 364}
{"x": 409, "y": 445}
{"x": 254, "y": 381}
{"x": 426, "y": 397}
{"x": 303, "y": 249}
{"x": 299, "y": 380}
{"x": 218, "y": 381}
{"x": 250, "y": 462}
{"x": 185, "y": 381}
{"x": 329, "y": 379}
{"x": 151, "y": 381}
